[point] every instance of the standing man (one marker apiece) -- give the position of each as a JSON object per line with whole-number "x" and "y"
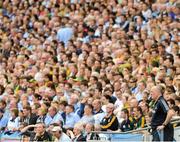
{"x": 162, "y": 130}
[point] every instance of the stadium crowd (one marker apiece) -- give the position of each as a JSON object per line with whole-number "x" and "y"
{"x": 69, "y": 67}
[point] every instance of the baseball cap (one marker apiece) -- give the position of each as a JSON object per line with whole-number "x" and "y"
{"x": 56, "y": 128}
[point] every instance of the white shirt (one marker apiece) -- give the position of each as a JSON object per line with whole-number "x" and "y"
{"x": 98, "y": 117}
{"x": 139, "y": 96}
{"x": 64, "y": 138}
{"x": 56, "y": 119}
{"x": 147, "y": 14}
{"x": 13, "y": 124}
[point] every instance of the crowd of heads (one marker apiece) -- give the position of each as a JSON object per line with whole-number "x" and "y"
{"x": 89, "y": 58}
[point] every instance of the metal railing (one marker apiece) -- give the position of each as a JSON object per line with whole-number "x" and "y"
{"x": 143, "y": 131}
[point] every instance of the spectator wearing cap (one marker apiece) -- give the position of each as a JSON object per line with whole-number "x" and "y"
{"x": 59, "y": 135}
{"x": 3, "y": 120}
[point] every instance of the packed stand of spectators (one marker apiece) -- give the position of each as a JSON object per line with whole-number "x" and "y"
{"x": 69, "y": 67}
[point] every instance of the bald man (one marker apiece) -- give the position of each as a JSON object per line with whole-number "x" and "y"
{"x": 162, "y": 130}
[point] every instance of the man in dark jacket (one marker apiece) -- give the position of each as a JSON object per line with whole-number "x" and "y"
{"x": 127, "y": 124}
{"x": 39, "y": 133}
{"x": 162, "y": 130}
{"x": 77, "y": 134}
{"x": 28, "y": 117}
{"x": 110, "y": 121}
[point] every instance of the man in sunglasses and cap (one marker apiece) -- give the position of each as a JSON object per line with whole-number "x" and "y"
{"x": 59, "y": 135}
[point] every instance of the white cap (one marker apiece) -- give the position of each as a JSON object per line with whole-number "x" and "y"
{"x": 116, "y": 26}
{"x": 96, "y": 74}
{"x": 56, "y": 128}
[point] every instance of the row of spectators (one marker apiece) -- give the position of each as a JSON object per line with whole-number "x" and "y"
{"x": 69, "y": 67}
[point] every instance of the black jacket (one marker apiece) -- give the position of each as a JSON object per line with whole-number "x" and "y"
{"x": 110, "y": 123}
{"x": 45, "y": 137}
{"x": 81, "y": 138}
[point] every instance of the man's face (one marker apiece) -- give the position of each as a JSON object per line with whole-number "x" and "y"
{"x": 109, "y": 108}
{"x": 25, "y": 112}
{"x": 141, "y": 86}
{"x": 167, "y": 62}
{"x": 95, "y": 104}
{"x": 1, "y": 106}
{"x": 88, "y": 128}
{"x": 39, "y": 128}
{"x": 87, "y": 110}
{"x": 76, "y": 131}
{"x": 143, "y": 106}
{"x": 51, "y": 112}
{"x": 153, "y": 94}
{"x": 123, "y": 115}
{"x": 68, "y": 110}
{"x": 136, "y": 112}
{"x": 56, "y": 134}
{"x": 59, "y": 92}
